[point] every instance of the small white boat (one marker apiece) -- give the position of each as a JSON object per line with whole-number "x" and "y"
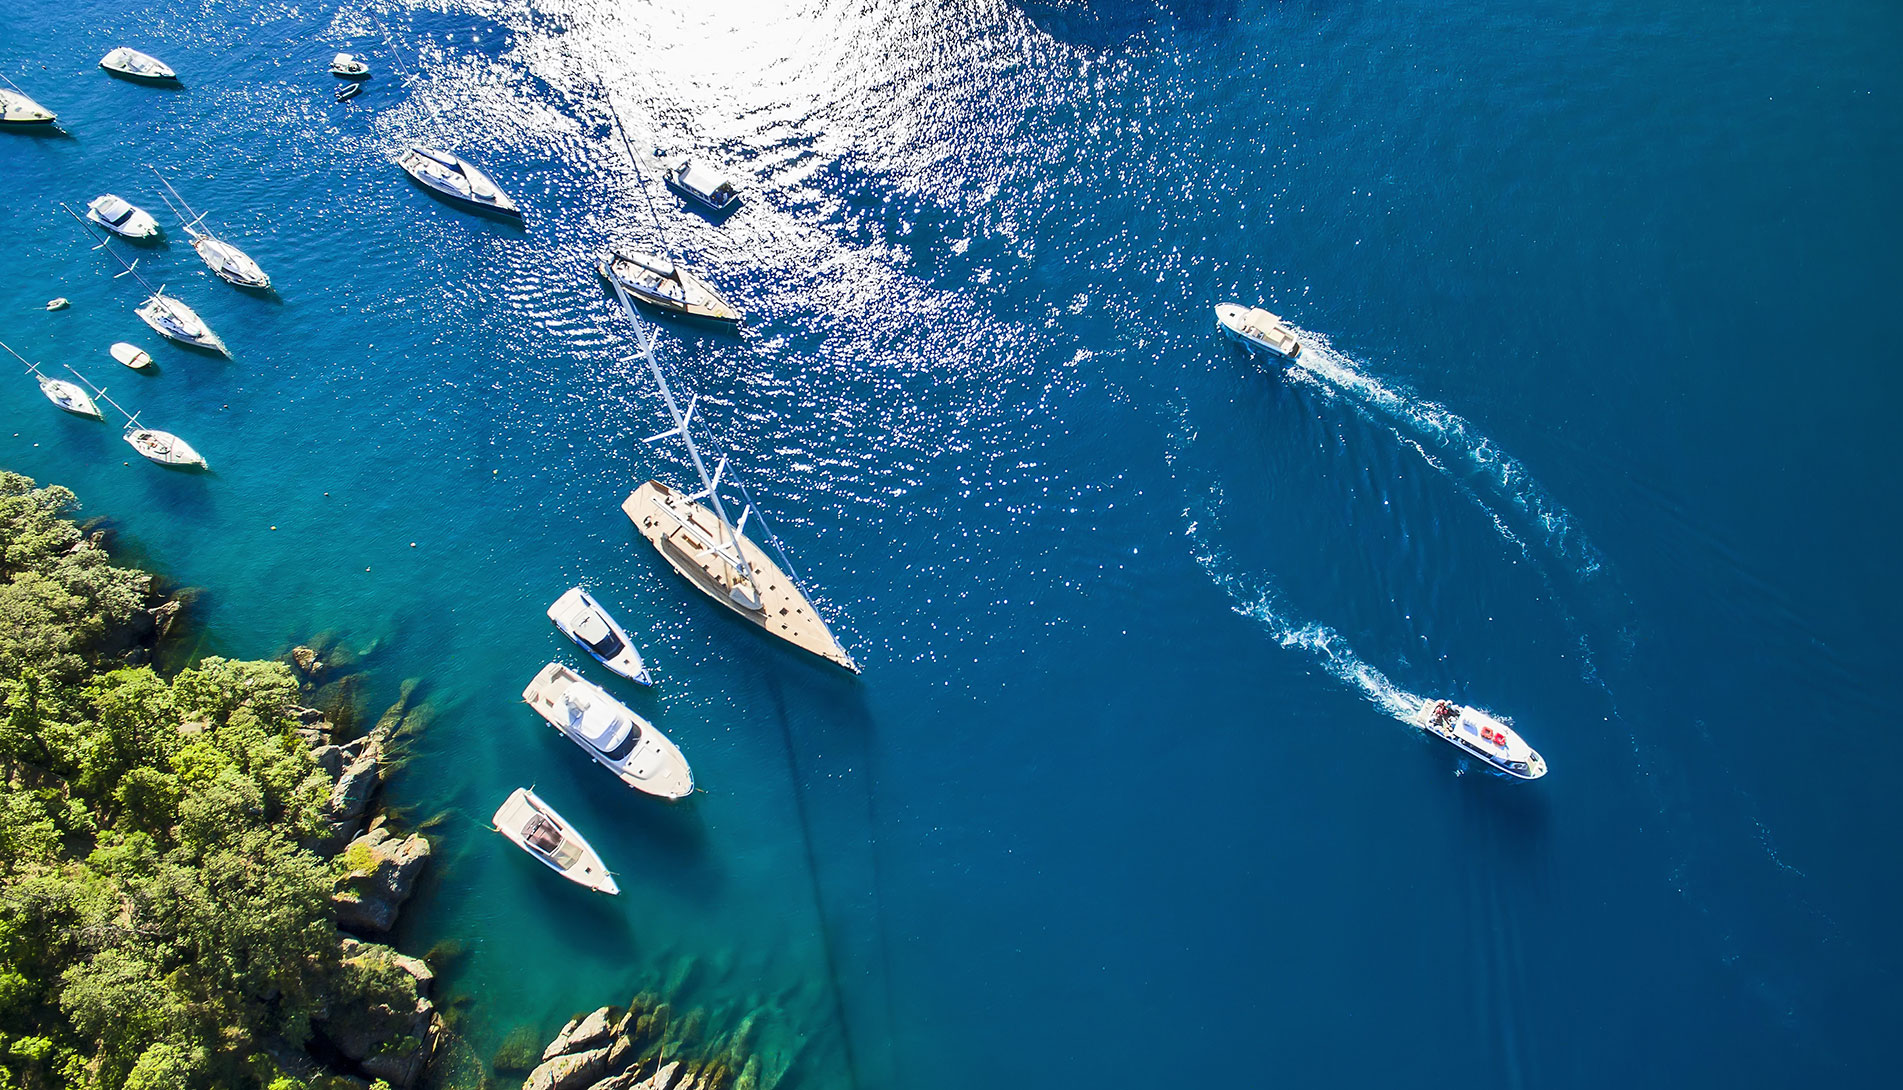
{"x": 582, "y": 619}
{"x": 122, "y": 218}
{"x": 1481, "y": 735}
{"x": 1257, "y": 327}
{"x": 346, "y": 66}
{"x": 609, "y": 732}
{"x": 701, "y": 185}
{"x": 450, "y": 175}
{"x": 175, "y": 321}
{"x": 666, "y": 285}
{"x": 129, "y": 62}
{"x": 131, "y": 355}
{"x": 18, "y": 109}
{"x": 60, "y": 303}
{"x": 69, "y": 396}
{"x": 232, "y": 265}
{"x": 349, "y": 91}
{"x": 163, "y": 447}
{"x": 537, "y": 829}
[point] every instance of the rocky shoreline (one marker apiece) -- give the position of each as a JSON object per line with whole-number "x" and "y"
{"x": 644, "y": 1047}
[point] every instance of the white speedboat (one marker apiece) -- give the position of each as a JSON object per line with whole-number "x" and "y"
{"x": 122, "y": 218}
{"x": 18, "y": 109}
{"x": 175, "y": 321}
{"x": 450, "y": 175}
{"x": 1258, "y": 328}
{"x": 608, "y": 731}
{"x": 701, "y": 185}
{"x": 1481, "y": 735}
{"x": 131, "y": 355}
{"x": 535, "y": 827}
{"x": 582, "y": 619}
{"x": 666, "y": 285}
{"x": 163, "y": 447}
{"x": 346, "y": 66}
{"x": 129, "y": 62}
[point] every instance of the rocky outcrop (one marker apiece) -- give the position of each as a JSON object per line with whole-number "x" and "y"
{"x": 356, "y": 769}
{"x": 383, "y": 872}
{"x": 582, "y": 1033}
{"x": 598, "y": 1051}
{"x": 381, "y": 1017}
{"x": 307, "y": 662}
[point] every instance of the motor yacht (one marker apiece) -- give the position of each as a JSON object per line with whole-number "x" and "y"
{"x": 701, "y": 185}
{"x": 122, "y": 218}
{"x": 535, "y": 827}
{"x": 609, "y": 732}
{"x": 1258, "y": 328}
{"x": 346, "y": 66}
{"x": 1481, "y": 735}
{"x": 582, "y": 619}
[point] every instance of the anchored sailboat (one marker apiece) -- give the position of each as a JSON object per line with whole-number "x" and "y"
{"x": 65, "y": 394}
{"x": 445, "y": 173}
{"x": 159, "y": 446}
{"x": 694, "y": 534}
{"x": 169, "y": 318}
{"x": 232, "y": 265}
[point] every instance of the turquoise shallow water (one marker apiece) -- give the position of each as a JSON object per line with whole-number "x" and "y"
{"x": 1596, "y": 433}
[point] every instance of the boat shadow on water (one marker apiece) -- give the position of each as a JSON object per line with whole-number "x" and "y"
{"x": 39, "y": 132}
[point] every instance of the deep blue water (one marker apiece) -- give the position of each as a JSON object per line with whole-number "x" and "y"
{"x": 1596, "y": 432}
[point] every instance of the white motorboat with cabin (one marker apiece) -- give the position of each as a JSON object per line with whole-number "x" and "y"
{"x": 1481, "y": 735}
{"x": 535, "y": 827}
{"x": 450, "y": 175}
{"x": 349, "y": 66}
{"x": 129, "y": 62}
{"x": 1258, "y": 328}
{"x": 231, "y": 264}
{"x": 582, "y": 619}
{"x": 121, "y": 217}
{"x": 694, "y": 534}
{"x": 131, "y": 355}
{"x": 702, "y": 185}
{"x": 666, "y": 285}
{"x": 18, "y": 108}
{"x": 609, "y": 732}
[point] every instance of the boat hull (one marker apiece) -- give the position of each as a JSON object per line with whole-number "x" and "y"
{"x": 628, "y": 663}
{"x": 205, "y": 341}
{"x": 231, "y": 264}
{"x": 668, "y": 775}
{"x": 1501, "y": 758}
{"x": 712, "y": 308}
{"x": 164, "y": 448}
{"x": 138, "y": 67}
{"x": 784, "y": 612}
{"x": 18, "y": 110}
{"x": 1229, "y": 319}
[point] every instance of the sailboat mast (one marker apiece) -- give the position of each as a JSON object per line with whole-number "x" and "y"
{"x": 191, "y": 217}
{"x": 640, "y": 179}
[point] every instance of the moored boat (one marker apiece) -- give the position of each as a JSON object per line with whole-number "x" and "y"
{"x": 349, "y": 91}
{"x": 162, "y": 447}
{"x": 129, "y": 62}
{"x": 131, "y": 355}
{"x": 450, "y": 175}
{"x": 666, "y": 285}
{"x": 231, "y": 264}
{"x": 609, "y": 732}
{"x": 582, "y": 619}
{"x": 69, "y": 396}
{"x": 1258, "y": 328}
{"x": 535, "y": 827}
{"x": 1481, "y": 735}
{"x": 121, "y": 217}
{"x": 348, "y": 66}
{"x": 172, "y": 319}
{"x": 702, "y": 185}
{"x": 17, "y": 108}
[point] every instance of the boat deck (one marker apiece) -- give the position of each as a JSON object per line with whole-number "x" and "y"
{"x": 784, "y": 611}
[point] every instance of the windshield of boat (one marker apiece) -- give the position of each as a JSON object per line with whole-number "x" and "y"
{"x": 542, "y": 835}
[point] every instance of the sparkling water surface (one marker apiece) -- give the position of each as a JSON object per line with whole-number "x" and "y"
{"x": 1595, "y": 430}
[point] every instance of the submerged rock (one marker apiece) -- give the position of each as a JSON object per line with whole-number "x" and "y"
{"x": 581, "y": 1034}
{"x": 384, "y": 873}
{"x": 307, "y": 662}
{"x": 569, "y": 1071}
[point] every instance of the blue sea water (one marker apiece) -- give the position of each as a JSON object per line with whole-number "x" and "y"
{"x": 1596, "y": 431}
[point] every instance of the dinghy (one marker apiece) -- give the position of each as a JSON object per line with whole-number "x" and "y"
{"x": 348, "y": 91}
{"x": 122, "y": 218}
{"x": 449, "y": 175}
{"x": 18, "y": 109}
{"x": 132, "y": 64}
{"x": 582, "y": 619}
{"x": 131, "y": 355}
{"x": 60, "y": 303}
{"x": 702, "y": 186}
{"x": 535, "y": 827}
{"x": 609, "y": 732}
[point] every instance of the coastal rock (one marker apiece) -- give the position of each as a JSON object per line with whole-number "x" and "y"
{"x": 358, "y": 770}
{"x": 307, "y": 662}
{"x": 581, "y": 1034}
{"x": 385, "y": 1023}
{"x": 573, "y": 1071}
{"x": 384, "y": 872}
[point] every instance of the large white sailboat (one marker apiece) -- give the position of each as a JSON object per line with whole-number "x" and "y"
{"x": 445, "y": 173}
{"x": 232, "y": 265}
{"x": 694, "y": 534}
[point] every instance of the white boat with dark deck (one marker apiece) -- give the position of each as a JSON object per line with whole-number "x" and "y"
{"x": 349, "y": 66}
{"x": 582, "y": 619}
{"x": 535, "y": 827}
{"x": 1481, "y": 735}
{"x": 450, "y": 175}
{"x": 129, "y": 62}
{"x": 231, "y": 264}
{"x": 609, "y": 732}
{"x": 1258, "y": 328}
{"x": 121, "y": 217}
{"x": 701, "y": 185}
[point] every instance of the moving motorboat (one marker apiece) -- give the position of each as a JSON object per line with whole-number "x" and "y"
{"x": 1258, "y": 328}
{"x": 162, "y": 447}
{"x": 1481, "y": 735}
{"x": 122, "y": 218}
{"x": 582, "y": 619}
{"x": 129, "y": 62}
{"x": 666, "y": 285}
{"x": 131, "y": 355}
{"x": 535, "y": 827}
{"x": 347, "y": 66}
{"x": 16, "y": 108}
{"x": 172, "y": 319}
{"x": 609, "y": 732}
{"x": 701, "y": 185}
{"x": 60, "y": 303}
{"x": 456, "y": 178}
{"x": 232, "y": 265}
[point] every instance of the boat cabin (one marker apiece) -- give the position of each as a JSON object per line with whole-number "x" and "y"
{"x": 607, "y": 733}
